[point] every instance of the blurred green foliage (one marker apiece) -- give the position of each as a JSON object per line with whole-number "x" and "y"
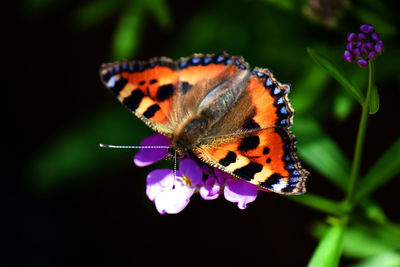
{"x": 267, "y": 33}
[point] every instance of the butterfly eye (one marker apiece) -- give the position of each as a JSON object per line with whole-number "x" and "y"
{"x": 175, "y": 153}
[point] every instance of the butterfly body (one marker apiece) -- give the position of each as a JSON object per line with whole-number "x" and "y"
{"x": 199, "y": 121}
{"x": 214, "y": 107}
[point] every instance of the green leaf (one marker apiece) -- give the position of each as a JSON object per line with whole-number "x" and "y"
{"x": 361, "y": 243}
{"x": 126, "y": 36}
{"x": 287, "y": 5}
{"x": 342, "y": 106}
{"x": 336, "y": 73}
{"x": 385, "y": 259}
{"x": 329, "y": 249}
{"x": 374, "y": 100}
{"x": 321, "y": 152}
{"x": 319, "y": 203}
{"x": 75, "y": 153}
{"x": 373, "y": 210}
{"x": 308, "y": 89}
{"x": 367, "y": 239}
{"x": 159, "y": 9}
{"x": 380, "y": 21}
{"x": 385, "y": 169}
{"x": 93, "y": 12}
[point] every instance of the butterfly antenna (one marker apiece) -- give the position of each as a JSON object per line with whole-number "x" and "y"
{"x": 173, "y": 185}
{"x": 114, "y": 146}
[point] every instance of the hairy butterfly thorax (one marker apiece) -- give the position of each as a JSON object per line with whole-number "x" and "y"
{"x": 213, "y": 106}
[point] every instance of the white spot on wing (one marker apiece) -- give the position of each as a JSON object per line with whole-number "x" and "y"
{"x": 111, "y": 82}
{"x": 280, "y": 186}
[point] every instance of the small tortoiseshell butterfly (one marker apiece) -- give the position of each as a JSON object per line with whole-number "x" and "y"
{"x": 214, "y": 107}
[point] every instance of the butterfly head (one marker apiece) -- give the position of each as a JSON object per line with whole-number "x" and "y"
{"x": 175, "y": 153}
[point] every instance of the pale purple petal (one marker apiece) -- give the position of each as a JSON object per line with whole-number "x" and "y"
{"x": 351, "y": 36}
{"x": 157, "y": 181}
{"x": 350, "y": 46}
{"x": 348, "y": 56}
{"x": 147, "y": 156}
{"x": 371, "y": 55}
{"x": 362, "y": 62}
{"x": 211, "y": 188}
{"x": 173, "y": 200}
{"x": 375, "y": 36}
{"x": 191, "y": 169}
{"x": 379, "y": 47}
{"x": 362, "y": 36}
{"x": 366, "y": 28}
{"x": 240, "y": 192}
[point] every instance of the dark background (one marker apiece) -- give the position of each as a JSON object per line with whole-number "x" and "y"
{"x": 70, "y": 203}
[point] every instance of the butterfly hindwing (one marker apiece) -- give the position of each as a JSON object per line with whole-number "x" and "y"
{"x": 265, "y": 158}
{"x": 146, "y": 88}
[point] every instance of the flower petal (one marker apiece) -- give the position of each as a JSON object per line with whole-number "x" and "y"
{"x": 147, "y": 156}
{"x": 157, "y": 181}
{"x": 191, "y": 169}
{"x": 239, "y": 191}
{"x": 348, "y": 56}
{"x": 211, "y": 188}
{"x": 366, "y": 28}
{"x": 173, "y": 200}
{"x": 362, "y": 62}
{"x": 351, "y": 36}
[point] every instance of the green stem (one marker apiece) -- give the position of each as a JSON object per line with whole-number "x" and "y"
{"x": 355, "y": 171}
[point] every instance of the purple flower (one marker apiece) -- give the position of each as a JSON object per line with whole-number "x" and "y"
{"x": 362, "y": 36}
{"x": 379, "y": 47}
{"x": 362, "y": 62}
{"x": 147, "y": 156}
{"x": 366, "y": 28}
{"x": 239, "y": 191}
{"x": 351, "y": 36}
{"x": 375, "y": 36}
{"x": 348, "y": 56}
{"x": 171, "y": 193}
{"x": 211, "y": 189}
{"x": 363, "y": 46}
{"x": 371, "y": 55}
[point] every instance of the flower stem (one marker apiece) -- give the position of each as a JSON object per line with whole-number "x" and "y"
{"x": 355, "y": 171}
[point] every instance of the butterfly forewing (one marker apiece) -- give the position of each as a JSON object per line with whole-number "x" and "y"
{"x": 146, "y": 88}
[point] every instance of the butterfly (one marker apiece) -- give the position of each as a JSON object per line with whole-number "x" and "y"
{"x": 214, "y": 107}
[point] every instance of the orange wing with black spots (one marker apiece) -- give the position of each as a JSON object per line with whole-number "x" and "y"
{"x": 265, "y": 158}
{"x": 199, "y": 67}
{"x": 269, "y": 97}
{"x": 258, "y": 146}
{"x": 213, "y": 106}
{"x": 146, "y": 88}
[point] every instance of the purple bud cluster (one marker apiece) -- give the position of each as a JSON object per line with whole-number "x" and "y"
{"x": 363, "y": 46}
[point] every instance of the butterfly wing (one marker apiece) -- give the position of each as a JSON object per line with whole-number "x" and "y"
{"x": 265, "y": 158}
{"x": 162, "y": 92}
{"x": 145, "y": 87}
{"x": 253, "y": 141}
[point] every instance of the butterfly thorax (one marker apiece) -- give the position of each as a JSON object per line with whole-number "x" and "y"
{"x": 215, "y": 104}
{"x": 189, "y": 136}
